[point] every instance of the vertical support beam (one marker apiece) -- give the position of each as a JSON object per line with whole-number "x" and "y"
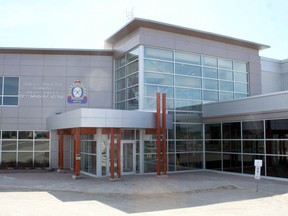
{"x": 158, "y": 128}
{"x": 99, "y": 152}
{"x": 112, "y": 154}
{"x": 119, "y": 155}
{"x": 60, "y": 150}
{"x": 76, "y": 153}
{"x": 164, "y": 144}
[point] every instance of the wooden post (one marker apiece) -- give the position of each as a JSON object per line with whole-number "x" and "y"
{"x": 112, "y": 154}
{"x": 164, "y": 134}
{"x": 77, "y": 156}
{"x": 60, "y": 150}
{"x": 119, "y": 155}
{"x": 158, "y": 128}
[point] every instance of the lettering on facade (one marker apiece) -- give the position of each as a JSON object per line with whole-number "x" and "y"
{"x": 45, "y": 90}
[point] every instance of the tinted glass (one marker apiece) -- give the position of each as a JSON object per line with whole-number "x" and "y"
{"x": 158, "y": 54}
{"x": 213, "y": 131}
{"x": 253, "y": 130}
{"x": 188, "y": 58}
{"x": 231, "y": 130}
{"x": 187, "y": 70}
{"x": 277, "y": 129}
{"x": 11, "y": 85}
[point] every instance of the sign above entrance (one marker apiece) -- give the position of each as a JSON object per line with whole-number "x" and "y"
{"x": 77, "y": 93}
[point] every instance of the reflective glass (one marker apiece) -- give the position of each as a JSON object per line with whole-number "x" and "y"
{"x": 224, "y": 96}
{"x": 158, "y": 54}
{"x": 9, "y": 145}
{"x": 188, "y": 117}
{"x": 8, "y": 159}
{"x": 120, "y": 62}
{"x": 184, "y": 81}
{"x": 41, "y": 145}
{"x": 226, "y": 86}
{"x": 132, "y": 67}
{"x": 171, "y": 162}
{"x": 41, "y": 159}
{"x": 225, "y": 64}
{"x": 232, "y": 146}
{"x": 151, "y": 90}
{"x": 188, "y": 146}
{"x": 132, "y": 104}
{"x": 133, "y": 92}
{"x": 225, "y": 75}
{"x": 210, "y": 95}
{"x": 120, "y": 73}
{"x": 120, "y": 84}
{"x": 240, "y": 66}
{"x": 277, "y": 166}
{"x": 209, "y": 72}
{"x": 279, "y": 147}
{"x": 132, "y": 80}
{"x": 158, "y": 66}
{"x": 132, "y": 55}
{"x": 25, "y": 145}
{"x": 253, "y": 146}
{"x": 25, "y": 134}
{"x": 213, "y": 131}
{"x": 1, "y": 100}
{"x": 188, "y": 58}
{"x": 158, "y": 78}
{"x": 277, "y": 129}
{"x": 25, "y": 159}
{"x": 210, "y": 84}
{"x": 241, "y": 87}
{"x": 189, "y": 131}
{"x": 187, "y": 93}
{"x": 231, "y": 130}
{"x": 120, "y": 106}
{"x": 186, "y": 105}
{"x": 253, "y": 130}
{"x": 213, "y": 161}
{"x": 10, "y": 100}
{"x": 213, "y": 145}
{"x": 11, "y": 85}
{"x": 187, "y": 70}
{"x": 209, "y": 61}
{"x": 9, "y": 134}
{"x": 188, "y": 161}
{"x": 238, "y": 95}
{"x": 149, "y": 163}
{"x": 232, "y": 163}
{"x": 241, "y": 77}
{"x": 120, "y": 96}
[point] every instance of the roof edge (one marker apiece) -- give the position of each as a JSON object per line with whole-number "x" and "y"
{"x": 60, "y": 51}
{"x": 146, "y": 23}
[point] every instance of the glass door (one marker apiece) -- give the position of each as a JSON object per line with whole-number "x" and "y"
{"x": 128, "y": 156}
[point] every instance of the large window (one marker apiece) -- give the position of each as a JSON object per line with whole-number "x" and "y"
{"x": 9, "y": 88}
{"x": 24, "y": 149}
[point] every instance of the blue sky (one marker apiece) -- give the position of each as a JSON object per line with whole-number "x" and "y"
{"x": 87, "y": 23}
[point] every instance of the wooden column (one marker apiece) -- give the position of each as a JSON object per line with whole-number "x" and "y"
{"x": 164, "y": 145}
{"x": 119, "y": 155}
{"x": 158, "y": 129}
{"x": 76, "y": 153}
{"x": 112, "y": 154}
{"x": 60, "y": 150}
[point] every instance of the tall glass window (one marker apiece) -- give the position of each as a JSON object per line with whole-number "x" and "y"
{"x": 9, "y": 90}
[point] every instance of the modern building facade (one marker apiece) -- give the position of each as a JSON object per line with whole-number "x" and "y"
{"x": 94, "y": 110}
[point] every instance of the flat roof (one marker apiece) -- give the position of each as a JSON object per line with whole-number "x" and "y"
{"x": 56, "y": 51}
{"x": 139, "y": 22}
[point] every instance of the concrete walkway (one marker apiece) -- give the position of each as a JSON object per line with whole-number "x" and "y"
{"x": 197, "y": 193}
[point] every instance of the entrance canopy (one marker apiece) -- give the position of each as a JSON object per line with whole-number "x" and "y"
{"x": 104, "y": 118}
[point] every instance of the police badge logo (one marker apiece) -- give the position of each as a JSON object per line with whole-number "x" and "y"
{"x": 77, "y": 93}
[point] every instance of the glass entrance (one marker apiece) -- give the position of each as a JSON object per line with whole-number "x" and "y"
{"x": 128, "y": 154}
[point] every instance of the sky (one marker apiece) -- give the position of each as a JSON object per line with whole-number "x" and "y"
{"x": 85, "y": 24}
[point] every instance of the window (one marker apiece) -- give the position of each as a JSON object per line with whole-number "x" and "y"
{"x": 9, "y": 88}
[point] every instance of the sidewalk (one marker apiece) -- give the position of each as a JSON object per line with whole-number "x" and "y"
{"x": 208, "y": 192}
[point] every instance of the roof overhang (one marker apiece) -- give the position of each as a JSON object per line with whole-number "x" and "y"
{"x": 137, "y": 23}
{"x": 104, "y": 118}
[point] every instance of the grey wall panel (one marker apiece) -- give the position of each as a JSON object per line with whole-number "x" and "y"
{"x": 101, "y": 99}
{"x": 101, "y": 61}
{"x": 11, "y": 70}
{"x": 77, "y": 61}
{"x": 56, "y": 71}
{"x": 83, "y": 71}
{"x": 30, "y": 59}
{"x": 33, "y": 112}
{"x": 101, "y": 72}
{"x": 55, "y": 60}
{"x": 31, "y": 70}
{"x": 9, "y": 112}
{"x": 101, "y": 84}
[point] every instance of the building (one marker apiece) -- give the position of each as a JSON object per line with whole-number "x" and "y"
{"x": 94, "y": 111}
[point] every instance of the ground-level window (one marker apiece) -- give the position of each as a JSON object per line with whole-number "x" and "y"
{"x": 24, "y": 149}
